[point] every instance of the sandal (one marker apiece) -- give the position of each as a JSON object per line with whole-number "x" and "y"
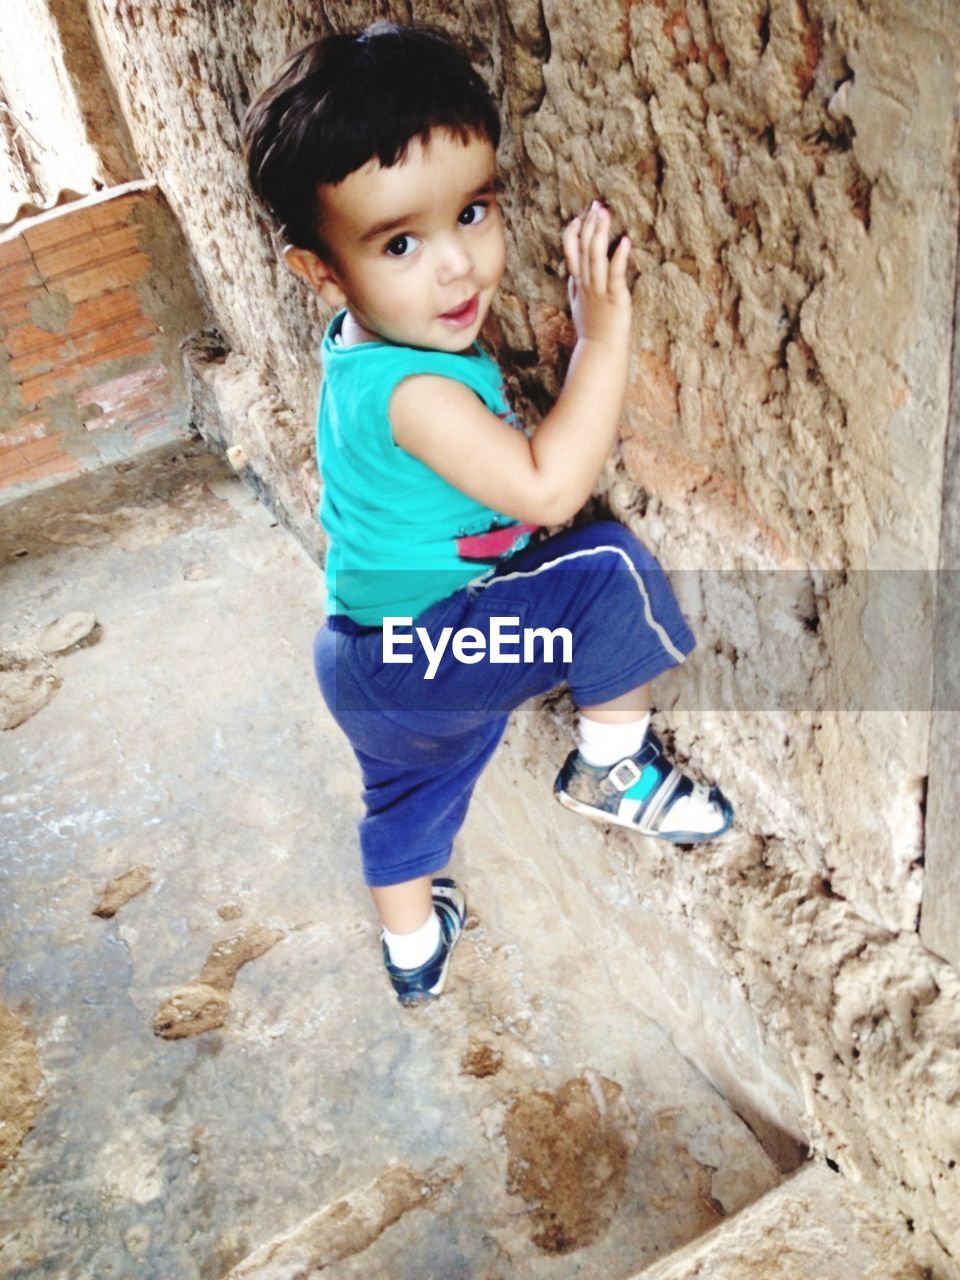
{"x": 641, "y": 792}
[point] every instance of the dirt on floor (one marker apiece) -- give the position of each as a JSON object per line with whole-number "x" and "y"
{"x": 20, "y": 1081}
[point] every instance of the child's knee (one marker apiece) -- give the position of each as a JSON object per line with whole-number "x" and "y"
{"x": 608, "y": 533}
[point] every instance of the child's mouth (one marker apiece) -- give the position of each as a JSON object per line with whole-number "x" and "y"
{"x": 463, "y": 316}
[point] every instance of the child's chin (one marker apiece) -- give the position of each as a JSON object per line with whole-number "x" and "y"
{"x": 439, "y": 339}
{"x": 452, "y": 342}
{"x": 462, "y": 342}
{"x": 465, "y": 339}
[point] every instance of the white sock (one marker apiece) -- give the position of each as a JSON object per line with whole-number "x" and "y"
{"x": 410, "y": 950}
{"x": 605, "y": 744}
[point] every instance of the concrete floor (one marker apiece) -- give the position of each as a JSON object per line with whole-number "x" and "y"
{"x": 553, "y": 1136}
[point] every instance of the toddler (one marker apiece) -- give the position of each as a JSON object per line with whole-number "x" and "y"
{"x": 447, "y": 604}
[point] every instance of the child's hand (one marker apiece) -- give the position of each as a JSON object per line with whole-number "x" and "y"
{"x": 599, "y": 298}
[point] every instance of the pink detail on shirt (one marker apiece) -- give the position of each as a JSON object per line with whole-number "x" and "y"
{"x": 494, "y": 544}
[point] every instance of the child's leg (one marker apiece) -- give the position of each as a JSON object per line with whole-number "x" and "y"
{"x": 402, "y": 908}
{"x": 602, "y": 585}
{"x": 419, "y": 769}
{"x": 608, "y": 732}
{"x": 417, "y": 959}
{"x": 617, "y": 731}
{"x": 633, "y": 705}
{"x": 411, "y": 926}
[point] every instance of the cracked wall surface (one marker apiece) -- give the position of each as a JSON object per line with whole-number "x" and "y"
{"x": 788, "y": 176}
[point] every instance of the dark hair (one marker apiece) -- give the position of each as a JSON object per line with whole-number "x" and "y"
{"x": 347, "y": 98}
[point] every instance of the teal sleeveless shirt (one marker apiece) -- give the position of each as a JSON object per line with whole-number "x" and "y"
{"x": 400, "y": 537}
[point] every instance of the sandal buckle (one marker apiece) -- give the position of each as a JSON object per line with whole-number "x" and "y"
{"x": 622, "y": 775}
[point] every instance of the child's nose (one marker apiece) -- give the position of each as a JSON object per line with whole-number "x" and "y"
{"x": 454, "y": 260}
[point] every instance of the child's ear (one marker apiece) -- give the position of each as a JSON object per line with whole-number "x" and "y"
{"x": 317, "y": 273}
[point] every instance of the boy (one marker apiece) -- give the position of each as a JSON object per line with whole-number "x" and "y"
{"x": 374, "y": 152}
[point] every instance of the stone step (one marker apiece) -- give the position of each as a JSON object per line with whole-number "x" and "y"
{"x": 817, "y": 1225}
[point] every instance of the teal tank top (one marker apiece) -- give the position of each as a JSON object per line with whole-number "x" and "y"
{"x": 400, "y": 537}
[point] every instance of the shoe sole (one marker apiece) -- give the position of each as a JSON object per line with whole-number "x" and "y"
{"x": 601, "y": 815}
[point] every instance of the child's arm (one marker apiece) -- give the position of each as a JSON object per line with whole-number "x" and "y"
{"x": 546, "y": 479}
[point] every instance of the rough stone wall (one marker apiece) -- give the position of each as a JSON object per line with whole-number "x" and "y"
{"x": 788, "y": 173}
{"x": 804, "y": 1014}
{"x": 185, "y": 74}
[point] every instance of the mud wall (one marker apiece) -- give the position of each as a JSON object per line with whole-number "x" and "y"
{"x": 788, "y": 173}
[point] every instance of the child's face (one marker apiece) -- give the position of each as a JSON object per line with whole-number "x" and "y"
{"x": 419, "y": 247}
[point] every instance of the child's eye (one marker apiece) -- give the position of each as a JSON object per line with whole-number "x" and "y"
{"x": 480, "y": 208}
{"x": 402, "y": 246}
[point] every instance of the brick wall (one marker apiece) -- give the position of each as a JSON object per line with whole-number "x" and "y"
{"x": 95, "y": 299}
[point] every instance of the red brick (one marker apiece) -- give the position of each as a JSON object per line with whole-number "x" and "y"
{"x": 11, "y": 461}
{"x": 26, "y": 429}
{"x": 35, "y": 451}
{"x": 101, "y": 342}
{"x": 12, "y": 315}
{"x": 18, "y": 275}
{"x": 14, "y": 306}
{"x": 52, "y": 467}
{"x": 27, "y": 339}
{"x": 85, "y": 252}
{"x": 101, "y": 278}
{"x": 122, "y": 412}
{"x": 111, "y": 212}
{"x": 37, "y": 389}
{"x": 133, "y": 395}
{"x": 13, "y": 251}
{"x": 68, "y": 352}
{"x": 118, "y": 391}
{"x": 67, "y": 224}
{"x": 73, "y": 223}
{"x": 57, "y": 352}
{"x": 44, "y": 385}
{"x": 104, "y": 309}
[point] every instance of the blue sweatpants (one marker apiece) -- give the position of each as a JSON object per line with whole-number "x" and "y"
{"x": 422, "y": 743}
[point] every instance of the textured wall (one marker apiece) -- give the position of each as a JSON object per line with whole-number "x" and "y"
{"x": 185, "y": 74}
{"x": 788, "y": 173}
